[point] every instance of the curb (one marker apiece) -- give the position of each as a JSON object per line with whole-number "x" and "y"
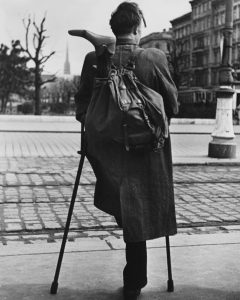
{"x": 225, "y": 163}
{"x": 32, "y": 118}
{"x": 47, "y": 118}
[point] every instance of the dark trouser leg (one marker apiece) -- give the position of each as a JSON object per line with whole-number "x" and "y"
{"x": 135, "y": 271}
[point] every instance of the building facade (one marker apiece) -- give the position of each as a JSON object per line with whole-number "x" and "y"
{"x": 199, "y": 39}
{"x": 161, "y": 40}
{"x": 181, "y": 49}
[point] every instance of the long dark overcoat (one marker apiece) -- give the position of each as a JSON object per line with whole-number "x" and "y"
{"x": 136, "y": 188}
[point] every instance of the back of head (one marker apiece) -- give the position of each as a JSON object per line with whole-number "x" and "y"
{"x": 126, "y": 18}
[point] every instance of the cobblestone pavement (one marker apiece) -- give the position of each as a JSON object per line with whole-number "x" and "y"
{"x": 35, "y": 193}
{"x": 37, "y": 172}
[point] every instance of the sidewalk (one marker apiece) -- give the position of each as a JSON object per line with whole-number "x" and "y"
{"x": 51, "y": 136}
{"x": 20, "y": 123}
{"x": 187, "y": 148}
{"x": 205, "y": 267}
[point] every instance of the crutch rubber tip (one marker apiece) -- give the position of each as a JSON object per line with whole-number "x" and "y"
{"x": 170, "y": 286}
{"x": 54, "y": 288}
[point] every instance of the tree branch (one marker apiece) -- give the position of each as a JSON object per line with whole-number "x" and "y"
{"x": 48, "y": 80}
{"x": 46, "y": 57}
{"x": 27, "y": 26}
{"x": 35, "y": 41}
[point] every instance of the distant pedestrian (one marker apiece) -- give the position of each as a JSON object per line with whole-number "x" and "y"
{"x": 136, "y": 188}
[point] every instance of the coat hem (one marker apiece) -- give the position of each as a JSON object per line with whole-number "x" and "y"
{"x": 150, "y": 238}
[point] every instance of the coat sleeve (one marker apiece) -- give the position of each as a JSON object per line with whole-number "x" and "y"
{"x": 83, "y": 96}
{"x": 165, "y": 85}
{"x": 157, "y": 76}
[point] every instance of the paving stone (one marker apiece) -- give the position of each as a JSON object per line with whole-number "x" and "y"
{"x": 186, "y": 230}
{"x": 118, "y": 232}
{"x": 37, "y": 241}
{"x": 51, "y": 225}
{"x": 36, "y": 236}
{"x": 182, "y": 222}
{"x": 204, "y": 194}
{"x": 13, "y": 227}
{"x": 230, "y": 218}
{"x": 33, "y": 226}
{"x": 11, "y": 237}
{"x": 76, "y": 226}
{"x": 15, "y": 243}
{"x": 109, "y": 224}
{"x": 70, "y": 234}
{"x": 213, "y": 219}
{"x": 97, "y": 233}
{"x": 11, "y": 220}
{"x": 231, "y": 227}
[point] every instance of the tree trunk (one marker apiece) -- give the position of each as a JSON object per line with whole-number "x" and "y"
{"x": 4, "y": 104}
{"x": 1, "y": 107}
{"x": 37, "y": 110}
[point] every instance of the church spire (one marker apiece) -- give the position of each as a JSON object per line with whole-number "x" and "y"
{"x": 66, "y": 70}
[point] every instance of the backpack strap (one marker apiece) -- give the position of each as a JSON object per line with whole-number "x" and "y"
{"x": 133, "y": 58}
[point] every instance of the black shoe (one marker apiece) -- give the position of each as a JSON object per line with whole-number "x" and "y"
{"x": 131, "y": 294}
{"x": 100, "y": 42}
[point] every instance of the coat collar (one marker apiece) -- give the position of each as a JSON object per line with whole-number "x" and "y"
{"x": 125, "y": 41}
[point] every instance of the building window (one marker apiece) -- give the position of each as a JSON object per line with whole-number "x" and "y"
{"x": 216, "y": 20}
{"x": 205, "y": 60}
{"x": 234, "y": 33}
{"x": 194, "y": 26}
{"x": 214, "y": 77}
{"x": 238, "y": 33}
{"x": 217, "y": 38}
{"x": 206, "y": 41}
{"x": 208, "y": 22}
{"x": 222, "y": 18}
{"x": 235, "y": 13}
{"x": 209, "y": 5}
{"x": 194, "y": 11}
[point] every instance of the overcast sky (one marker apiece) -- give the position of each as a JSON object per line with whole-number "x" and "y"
{"x": 93, "y": 15}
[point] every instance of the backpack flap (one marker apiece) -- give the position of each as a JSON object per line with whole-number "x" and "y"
{"x": 135, "y": 130}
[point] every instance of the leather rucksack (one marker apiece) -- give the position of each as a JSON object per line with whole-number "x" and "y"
{"x": 125, "y": 111}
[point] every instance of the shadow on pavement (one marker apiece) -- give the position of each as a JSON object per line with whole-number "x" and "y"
{"x": 39, "y": 292}
{"x": 191, "y": 293}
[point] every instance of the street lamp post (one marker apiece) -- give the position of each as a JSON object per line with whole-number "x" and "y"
{"x": 223, "y": 144}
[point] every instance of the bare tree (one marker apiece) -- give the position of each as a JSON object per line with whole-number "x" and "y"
{"x": 176, "y": 53}
{"x": 37, "y": 57}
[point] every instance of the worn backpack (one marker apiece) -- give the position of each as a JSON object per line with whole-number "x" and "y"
{"x": 125, "y": 111}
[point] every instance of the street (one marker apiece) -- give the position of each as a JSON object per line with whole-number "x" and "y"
{"x": 37, "y": 173}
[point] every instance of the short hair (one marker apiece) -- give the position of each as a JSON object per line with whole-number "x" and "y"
{"x": 126, "y": 18}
